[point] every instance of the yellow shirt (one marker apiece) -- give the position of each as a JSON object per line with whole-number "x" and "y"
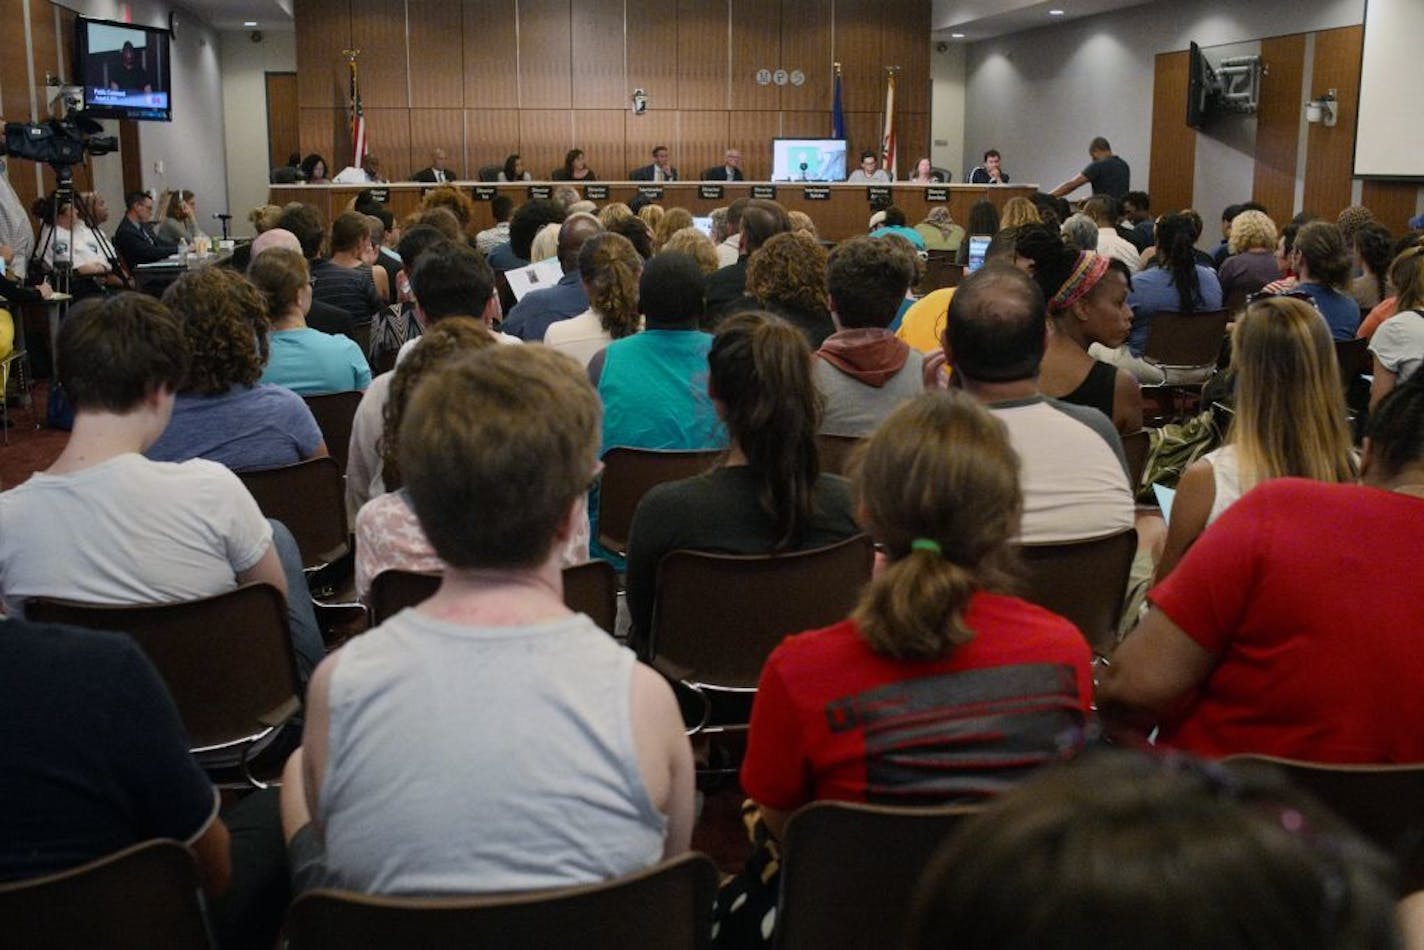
{"x": 925, "y": 321}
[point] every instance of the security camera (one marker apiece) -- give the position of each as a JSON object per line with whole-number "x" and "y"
{"x": 256, "y": 36}
{"x": 942, "y": 47}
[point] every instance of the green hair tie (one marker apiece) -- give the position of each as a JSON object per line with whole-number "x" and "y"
{"x": 926, "y": 544}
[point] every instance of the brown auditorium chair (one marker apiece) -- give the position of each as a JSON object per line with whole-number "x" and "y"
{"x": 142, "y": 897}
{"x": 848, "y": 872}
{"x": 835, "y": 451}
{"x": 333, "y": 413}
{"x": 941, "y": 271}
{"x": 1183, "y": 346}
{"x": 628, "y": 474}
{"x": 1084, "y": 581}
{"x": 1384, "y": 803}
{"x": 716, "y": 617}
{"x": 310, "y": 499}
{"x": 667, "y": 906}
{"x": 590, "y": 588}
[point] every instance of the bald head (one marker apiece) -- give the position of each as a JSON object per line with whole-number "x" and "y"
{"x": 996, "y": 326}
{"x": 576, "y": 229}
{"x": 275, "y": 237}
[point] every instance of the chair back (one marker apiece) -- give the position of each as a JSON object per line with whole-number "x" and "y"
{"x": 1084, "y": 581}
{"x": 943, "y": 175}
{"x": 669, "y": 905}
{"x": 142, "y": 897}
{"x": 1185, "y": 340}
{"x": 227, "y": 660}
{"x": 941, "y": 271}
{"x": 849, "y": 872}
{"x": 590, "y": 588}
{"x": 716, "y": 617}
{"x": 1384, "y": 803}
{"x": 1137, "y": 446}
{"x": 1235, "y": 301}
{"x": 310, "y": 500}
{"x": 333, "y": 413}
{"x": 1353, "y": 358}
{"x": 628, "y": 474}
{"x": 490, "y": 172}
{"x": 835, "y": 450}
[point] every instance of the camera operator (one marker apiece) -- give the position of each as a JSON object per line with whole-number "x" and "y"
{"x": 65, "y": 239}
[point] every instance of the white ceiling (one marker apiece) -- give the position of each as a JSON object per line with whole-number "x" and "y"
{"x": 982, "y": 19}
{"x": 232, "y": 14}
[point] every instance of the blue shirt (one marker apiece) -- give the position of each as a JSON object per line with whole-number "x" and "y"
{"x": 503, "y": 258}
{"x": 1153, "y": 289}
{"x": 247, "y": 427}
{"x": 909, "y": 234}
{"x": 308, "y": 362}
{"x": 1341, "y": 311}
{"x": 532, "y": 316}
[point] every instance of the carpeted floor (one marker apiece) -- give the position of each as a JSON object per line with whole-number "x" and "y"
{"x": 29, "y": 449}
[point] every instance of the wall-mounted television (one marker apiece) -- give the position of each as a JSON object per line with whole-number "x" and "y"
{"x": 125, "y": 70}
{"x": 808, "y": 159}
{"x": 1203, "y": 88}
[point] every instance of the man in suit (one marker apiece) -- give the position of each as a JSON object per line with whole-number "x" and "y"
{"x": 729, "y": 170}
{"x": 659, "y": 170}
{"x": 437, "y": 173}
{"x": 134, "y": 238}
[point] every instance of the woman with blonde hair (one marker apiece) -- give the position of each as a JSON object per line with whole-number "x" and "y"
{"x": 545, "y": 244}
{"x": 180, "y": 217}
{"x": 651, "y": 215}
{"x": 672, "y": 221}
{"x": 696, "y": 245}
{"x": 1019, "y": 212}
{"x": 613, "y": 212}
{"x": 1289, "y": 420}
{"x": 609, "y": 268}
{"x": 264, "y": 217}
{"x": 801, "y": 221}
{"x": 1398, "y": 344}
{"x": 1252, "y": 264}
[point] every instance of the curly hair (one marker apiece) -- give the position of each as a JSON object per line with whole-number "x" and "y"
{"x": 1018, "y": 212}
{"x": 223, "y": 316}
{"x": 610, "y": 268}
{"x": 612, "y": 212}
{"x": 1251, "y": 229}
{"x": 696, "y": 245}
{"x": 790, "y": 271}
{"x": 801, "y": 221}
{"x": 461, "y": 205}
{"x": 672, "y": 221}
{"x": 443, "y": 342}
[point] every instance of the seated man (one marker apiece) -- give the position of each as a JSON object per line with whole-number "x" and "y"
{"x": 1291, "y": 626}
{"x": 105, "y": 525}
{"x": 863, "y": 370}
{"x": 1071, "y": 462}
{"x": 531, "y": 317}
{"x": 585, "y": 773}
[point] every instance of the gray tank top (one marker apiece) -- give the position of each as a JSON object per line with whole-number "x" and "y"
{"x": 474, "y": 759}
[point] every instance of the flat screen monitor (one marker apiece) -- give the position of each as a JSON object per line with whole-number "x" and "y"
{"x": 978, "y": 247}
{"x": 703, "y": 224}
{"x": 125, "y": 70}
{"x": 808, "y": 160}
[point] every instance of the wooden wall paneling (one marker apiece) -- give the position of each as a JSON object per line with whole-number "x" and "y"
{"x": 545, "y": 54}
{"x": 702, "y": 141}
{"x": 756, "y": 45}
{"x": 1174, "y": 143}
{"x": 15, "y": 95}
{"x": 316, "y": 129}
{"x": 598, "y": 63}
{"x": 751, "y": 133}
{"x": 815, "y": 124}
{"x": 431, "y": 129}
{"x": 323, "y": 31}
{"x": 388, "y": 138}
{"x": 1278, "y": 126}
{"x": 858, "y": 50}
{"x": 640, "y": 134}
{"x": 131, "y": 155}
{"x": 378, "y": 31}
{"x": 284, "y": 127}
{"x": 912, "y": 129}
{"x": 490, "y": 135}
{"x": 544, "y": 136}
{"x": 905, "y": 43}
{"x": 863, "y": 130}
{"x": 1393, "y": 202}
{"x": 653, "y": 53}
{"x": 599, "y": 132}
{"x": 66, "y": 43}
{"x": 806, "y": 46}
{"x": 1330, "y": 152}
{"x": 703, "y": 28}
{"x": 491, "y": 56}
{"x": 437, "y": 58}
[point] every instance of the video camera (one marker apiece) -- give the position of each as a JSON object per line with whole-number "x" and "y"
{"x": 58, "y": 143}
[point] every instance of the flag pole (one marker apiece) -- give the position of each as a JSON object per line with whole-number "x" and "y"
{"x": 358, "y": 114}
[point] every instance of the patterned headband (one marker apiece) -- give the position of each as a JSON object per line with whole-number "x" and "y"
{"x": 1087, "y": 272}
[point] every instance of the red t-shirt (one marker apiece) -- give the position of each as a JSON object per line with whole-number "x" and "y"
{"x": 1310, "y": 595}
{"x": 834, "y": 720}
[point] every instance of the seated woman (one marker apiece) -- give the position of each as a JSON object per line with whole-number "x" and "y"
{"x": 223, "y": 412}
{"x": 1398, "y": 345}
{"x": 769, "y": 494}
{"x": 513, "y": 170}
{"x": 788, "y": 278}
{"x": 575, "y": 167}
{"x": 669, "y": 223}
{"x": 1252, "y": 264}
{"x": 314, "y": 170}
{"x": 1173, "y": 281}
{"x": 940, "y": 688}
{"x": 609, "y": 268}
{"x": 180, "y": 218}
{"x": 939, "y": 231}
{"x": 346, "y": 279}
{"x": 304, "y": 360}
{"x": 1373, "y": 254}
{"x": 1320, "y": 260}
{"x": 695, "y": 245}
{"x": 1087, "y": 303}
{"x": 1289, "y": 420}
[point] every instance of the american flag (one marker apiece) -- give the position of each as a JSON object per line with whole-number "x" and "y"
{"x": 358, "y": 118}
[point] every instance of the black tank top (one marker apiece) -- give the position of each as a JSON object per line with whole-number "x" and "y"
{"x": 1096, "y": 389}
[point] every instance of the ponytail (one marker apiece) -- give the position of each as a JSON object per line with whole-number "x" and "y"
{"x": 1176, "y": 249}
{"x": 610, "y": 266}
{"x": 914, "y": 610}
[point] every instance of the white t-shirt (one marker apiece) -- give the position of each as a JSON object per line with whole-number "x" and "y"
{"x": 80, "y": 246}
{"x": 1399, "y": 343}
{"x": 129, "y": 531}
{"x": 580, "y": 337}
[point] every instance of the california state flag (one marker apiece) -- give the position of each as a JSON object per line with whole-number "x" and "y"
{"x": 887, "y": 141}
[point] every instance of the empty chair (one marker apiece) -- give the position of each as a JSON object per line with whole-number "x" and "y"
{"x": 226, "y": 659}
{"x": 668, "y": 906}
{"x": 627, "y": 476}
{"x": 717, "y": 617}
{"x": 142, "y": 897}
{"x": 590, "y": 588}
{"x": 333, "y": 413}
{"x": 310, "y": 500}
{"x": 1084, "y": 581}
{"x": 490, "y": 172}
{"x": 849, "y": 871}
{"x": 941, "y": 271}
{"x": 1179, "y": 342}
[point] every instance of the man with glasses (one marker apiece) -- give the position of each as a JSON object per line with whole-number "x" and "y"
{"x": 134, "y": 238}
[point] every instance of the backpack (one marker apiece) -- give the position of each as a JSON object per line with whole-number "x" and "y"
{"x": 1175, "y": 446}
{"x": 391, "y": 328}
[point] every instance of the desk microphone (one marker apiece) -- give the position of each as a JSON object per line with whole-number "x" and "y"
{"x": 803, "y": 171}
{"x": 224, "y": 217}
